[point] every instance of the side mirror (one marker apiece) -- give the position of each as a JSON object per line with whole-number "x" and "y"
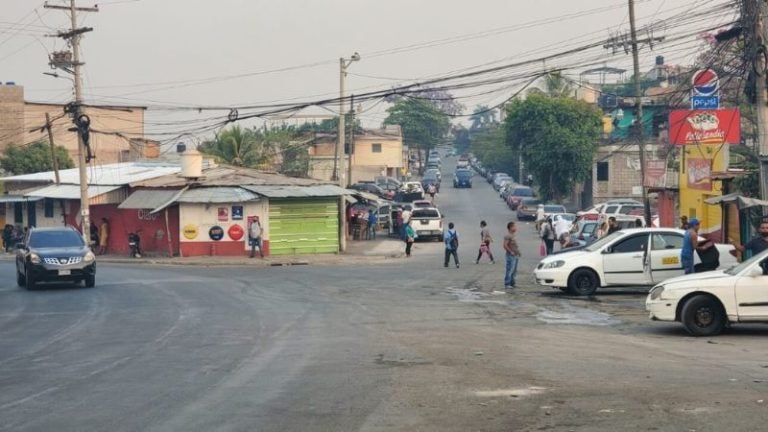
{"x": 607, "y": 250}
{"x": 755, "y": 271}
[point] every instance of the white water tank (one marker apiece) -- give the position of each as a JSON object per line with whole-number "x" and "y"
{"x": 191, "y": 164}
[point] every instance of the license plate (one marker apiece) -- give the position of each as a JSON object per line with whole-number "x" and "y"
{"x": 424, "y": 222}
{"x": 65, "y": 272}
{"x": 670, "y": 260}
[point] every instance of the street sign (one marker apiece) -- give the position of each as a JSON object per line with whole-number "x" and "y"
{"x": 705, "y": 102}
{"x": 705, "y": 82}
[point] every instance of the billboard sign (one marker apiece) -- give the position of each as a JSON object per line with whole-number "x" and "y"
{"x": 705, "y": 102}
{"x": 705, "y": 83}
{"x": 704, "y": 127}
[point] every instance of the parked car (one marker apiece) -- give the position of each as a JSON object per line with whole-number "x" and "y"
{"x": 499, "y": 181}
{"x": 516, "y": 194}
{"x": 462, "y": 178}
{"x": 585, "y": 232}
{"x": 704, "y": 303}
{"x": 550, "y": 209}
{"x": 372, "y": 188}
{"x": 526, "y": 210}
{"x": 54, "y": 255}
{"x": 631, "y": 257}
{"x": 427, "y": 223}
{"x": 422, "y": 204}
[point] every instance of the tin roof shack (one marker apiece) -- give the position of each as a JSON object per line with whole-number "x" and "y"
{"x": 36, "y": 200}
{"x": 217, "y": 206}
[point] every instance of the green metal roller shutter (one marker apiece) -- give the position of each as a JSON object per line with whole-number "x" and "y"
{"x": 303, "y": 226}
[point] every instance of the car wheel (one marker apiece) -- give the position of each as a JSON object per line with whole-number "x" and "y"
{"x": 702, "y": 315}
{"x": 20, "y": 279}
{"x": 90, "y": 281}
{"x": 29, "y": 281}
{"x": 583, "y": 282}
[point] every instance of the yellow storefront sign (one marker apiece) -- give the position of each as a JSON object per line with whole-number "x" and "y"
{"x": 190, "y": 231}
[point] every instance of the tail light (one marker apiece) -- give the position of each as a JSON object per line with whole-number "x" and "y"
{"x": 441, "y": 224}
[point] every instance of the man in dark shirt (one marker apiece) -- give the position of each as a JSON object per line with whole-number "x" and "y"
{"x": 757, "y": 244}
{"x": 613, "y": 226}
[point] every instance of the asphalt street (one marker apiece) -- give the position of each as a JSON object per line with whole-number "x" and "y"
{"x": 397, "y": 345}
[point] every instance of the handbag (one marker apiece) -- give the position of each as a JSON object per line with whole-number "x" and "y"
{"x": 543, "y": 249}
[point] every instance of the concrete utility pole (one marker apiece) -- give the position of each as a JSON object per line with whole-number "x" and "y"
{"x": 74, "y": 36}
{"x": 755, "y": 11}
{"x": 639, "y": 111}
{"x": 343, "y": 65}
{"x": 54, "y": 161}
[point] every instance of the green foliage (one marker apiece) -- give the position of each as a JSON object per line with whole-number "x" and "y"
{"x": 424, "y": 125}
{"x": 489, "y": 146}
{"x": 252, "y": 148}
{"x": 34, "y": 158}
{"x": 557, "y": 139}
{"x": 555, "y": 85}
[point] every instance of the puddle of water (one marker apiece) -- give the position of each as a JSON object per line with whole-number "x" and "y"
{"x": 576, "y": 316}
{"x": 470, "y": 296}
{"x": 519, "y": 392}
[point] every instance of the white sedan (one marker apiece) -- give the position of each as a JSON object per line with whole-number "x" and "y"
{"x": 706, "y": 302}
{"x": 629, "y": 257}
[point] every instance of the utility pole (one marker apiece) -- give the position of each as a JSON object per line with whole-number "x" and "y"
{"x": 351, "y": 137}
{"x": 74, "y": 36}
{"x": 753, "y": 13}
{"x": 639, "y": 111}
{"x": 343, "y": 65}
{"x": 54, "y": 161}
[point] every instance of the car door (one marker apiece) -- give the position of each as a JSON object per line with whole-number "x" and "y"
{"x": 623, "y": 261}
{"x": 752, "y": 296}
{"x": 664, "y": 259}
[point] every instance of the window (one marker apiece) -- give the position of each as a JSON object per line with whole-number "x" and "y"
{"x": 376, "y": 148}
{"x": 18, "y": 213}
{"x": 632, "y": 244}
{"x": 667, "y": 241}
{"x": 48, "y": 208}
{"x": 602, "y": 171}
{"x": 611, "y": 209}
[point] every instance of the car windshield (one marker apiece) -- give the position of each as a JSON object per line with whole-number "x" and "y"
{"x": 524, "y": 192}
{"x": 554, "y": 209}
{"x": 597, "y": 245}
{"x": 463, "y": 174}
{"x": 55, "y": 239}
{"x": 425, "y": 213}
{"x": 735, "y": 270}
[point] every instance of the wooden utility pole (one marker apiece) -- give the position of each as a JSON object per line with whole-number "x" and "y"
{"x": 759, "y": 34}
{"x": 639, "y": 111}
{"x": 54, "y": 161}
{"x": 74, "y": 36}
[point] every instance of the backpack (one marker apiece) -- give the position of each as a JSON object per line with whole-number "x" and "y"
{"x": 454, "y": 241}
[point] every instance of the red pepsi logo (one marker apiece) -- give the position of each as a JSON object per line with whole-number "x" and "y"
{"x": 705, "y": 82}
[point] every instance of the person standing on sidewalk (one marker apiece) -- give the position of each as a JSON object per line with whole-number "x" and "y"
{"x": 103, "y": 236}
{"x": 548, "y": 235}
{"x": 485, "y": 243}
{"x": 690, "y": 244}
{"x": 373, "y": 221}
{"x": 511, "y": 255}
{"x": 451, "y": 239}
{"x": 254, "y": 238}
{"x": 410, "y": 237}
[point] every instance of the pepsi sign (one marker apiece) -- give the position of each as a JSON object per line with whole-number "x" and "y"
{"x": 705, "y": 83}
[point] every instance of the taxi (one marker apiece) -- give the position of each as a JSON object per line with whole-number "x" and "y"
{"x": 629, "y": 257}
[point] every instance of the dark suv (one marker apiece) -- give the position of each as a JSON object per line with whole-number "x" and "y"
{"x": 54, "y": 254}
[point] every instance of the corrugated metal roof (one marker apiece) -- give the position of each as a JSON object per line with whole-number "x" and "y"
{"x": 68, "y": 191}
{"x": 217, "y": 195}
{"x": 230, "y": 176}
{"x": 17, "y": 198}
{"x": 147, "y": 199}
{"x": 108, "y": 174}
{"x": 296, "y": 191}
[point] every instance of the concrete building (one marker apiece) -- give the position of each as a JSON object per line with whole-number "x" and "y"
{"x": 118, "y": 130}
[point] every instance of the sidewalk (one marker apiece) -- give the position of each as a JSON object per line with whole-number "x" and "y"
{"x": 359, "y": 251}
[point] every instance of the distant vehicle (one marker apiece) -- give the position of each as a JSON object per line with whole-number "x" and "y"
{"x": 422, "y": 204}
{"x": 372, "y": 188}
{"x": 427, "y": 223}
{"x": 526, "y": 210}
{"x": 427, "y": 181}
{"x": 388, "y": 183}
{"x": 433, "y": 172}
{"x": 550, "y": 209}
{"x": 516, "y": 194}
{"x": 462, "y": 164}
{"x": 462, "y": 178}
{"x": 586, "y": 232}
{"x": 54, "y": 255}
{"x": 631, "y": 257}
{"x": 499, "y": 179}
{"x": 705, "y": 303}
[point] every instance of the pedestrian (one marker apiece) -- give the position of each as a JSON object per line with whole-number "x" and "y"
{"x": 613, "y": 226}
{"x": 406, "y": 220}
{"x": 254, "y": 238}
{"x": 451, "y": 240}
{"x": 410, "y": 237}
{"x": 562, "y": 230}
{"x": 432, "y": 190}
{"x": 690, "y": 243}
{"x": 540, "y": 216}
{"x": 757, "y": 244}
{"x": 8, "y": 237}
{"x": 638, "y": 223}
{"x": 548, "y": 236}
{"x": 373, "y": 221}
{"x": 511, "y": 256}
{"x": 683, "y": 222}
{"x": 94, "y": 236}
{"x": 485, "y": 243}
{"x": 103, "y": 236}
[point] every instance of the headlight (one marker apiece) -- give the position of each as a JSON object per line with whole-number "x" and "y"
{"x": 89, "y": 257}
{"x": 34, "y": 258}
{"x": 656, "y": 292}
{"x": 554, "y": 264}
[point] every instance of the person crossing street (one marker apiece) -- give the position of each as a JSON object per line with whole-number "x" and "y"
{"x": 451, "y": 240}
{"x": 512, "y": 255}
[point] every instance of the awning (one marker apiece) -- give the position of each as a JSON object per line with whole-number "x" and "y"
{"x": 17, "y": 198}
{"x": 208, "y": 195}
{"x": 70, "y": 191}
{"x": 741, "y": 202}
{"x": 296, "y": 191}
{"x": 147, "y": 199}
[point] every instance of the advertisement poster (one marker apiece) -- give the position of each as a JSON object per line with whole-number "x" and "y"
{"x": 237, "y": 212}
{"x": 705, "y": 127}
{"x": 698, "y": 172}
{"x": 223, "y": 214}
{"x": 236, "y": 232}
{"x": 656, "y": 173}
{"x": 216, "y": 233}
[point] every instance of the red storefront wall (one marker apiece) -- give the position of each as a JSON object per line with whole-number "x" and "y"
{"x": 151, "y": 228}
{"x": 219, "y": 248}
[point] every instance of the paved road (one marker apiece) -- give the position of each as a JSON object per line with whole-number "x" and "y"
{"x": 400, "y": 345}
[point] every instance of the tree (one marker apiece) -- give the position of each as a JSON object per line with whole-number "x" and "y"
{"x": 34, "y": 158}
{"x": 250, "y": 148}
{"x": 423, "y": 124}
{"x": 555, "y": 85}
{"x": 482, "y": 117}
{"x": 489, "y": 145}
{"x": 557, "y": 139}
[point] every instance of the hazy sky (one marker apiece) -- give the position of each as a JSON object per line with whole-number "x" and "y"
{"x": 150, "y": 52}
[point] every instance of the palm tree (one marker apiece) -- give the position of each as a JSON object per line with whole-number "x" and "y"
{"x": 235, "y": 146}
{"x": 555, "y": 85}
{"x": 482, "y": 117}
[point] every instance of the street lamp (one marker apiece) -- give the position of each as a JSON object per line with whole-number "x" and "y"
{"x": 339, "y": 171}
